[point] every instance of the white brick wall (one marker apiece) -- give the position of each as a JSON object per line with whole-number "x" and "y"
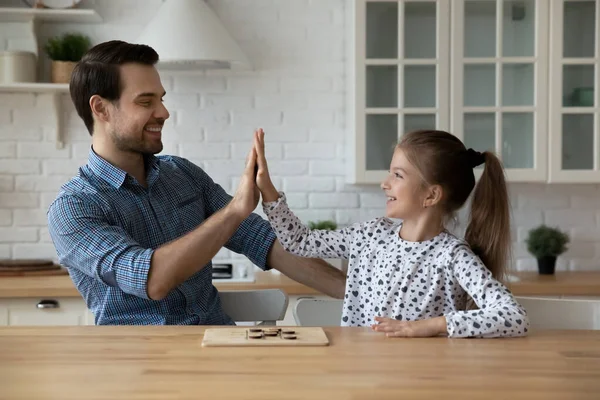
{"x": 295, "y": 92}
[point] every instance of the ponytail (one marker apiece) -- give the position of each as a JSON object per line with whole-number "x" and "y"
{"x": 488, "y": 231}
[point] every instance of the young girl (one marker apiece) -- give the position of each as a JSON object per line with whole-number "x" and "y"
{"x": 414, "y": 278}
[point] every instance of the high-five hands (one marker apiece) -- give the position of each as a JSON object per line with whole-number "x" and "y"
{"x": 263, "y": 179}
{"x": 247, "y": 195}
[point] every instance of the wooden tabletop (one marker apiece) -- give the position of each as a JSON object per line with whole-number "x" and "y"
{"x": 531, "y": 283}
{"x": 109, "y": 362}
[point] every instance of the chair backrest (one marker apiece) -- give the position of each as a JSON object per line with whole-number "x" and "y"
{"x": 561, "y": 313}
{"x": 265, "y": 306}
{"x": 317, "y": 312}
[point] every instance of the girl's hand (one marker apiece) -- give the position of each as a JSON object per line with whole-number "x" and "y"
{"x": 263, "y": 179}
{"x": 421, "y": 328}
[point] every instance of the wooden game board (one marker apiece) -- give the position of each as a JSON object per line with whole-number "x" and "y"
{"x": 265, "y": 336}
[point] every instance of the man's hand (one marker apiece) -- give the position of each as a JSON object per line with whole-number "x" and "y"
{"x": 175, "y": 261}
{"x": 421, "y": 328}
{"x": 247, "y": 195}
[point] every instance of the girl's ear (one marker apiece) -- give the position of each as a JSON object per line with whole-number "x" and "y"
{"x": 433, "y": 196}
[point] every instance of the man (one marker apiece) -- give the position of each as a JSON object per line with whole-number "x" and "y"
{"x": 137, "y": 231}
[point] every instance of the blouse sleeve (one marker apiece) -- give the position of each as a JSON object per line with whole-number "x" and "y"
{"x": 298, "y": 239}
{"x": 499, "y": 314}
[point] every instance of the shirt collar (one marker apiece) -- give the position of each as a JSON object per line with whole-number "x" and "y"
{"x": 116, "y": 176}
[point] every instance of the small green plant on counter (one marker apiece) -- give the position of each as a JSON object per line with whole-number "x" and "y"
{"x": 545, "y": 244}
{"x": 325, "y": 225}
{"x": 545, "y": 241}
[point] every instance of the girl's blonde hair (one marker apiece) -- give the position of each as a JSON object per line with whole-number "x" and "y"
{"x": 442, "y": 159}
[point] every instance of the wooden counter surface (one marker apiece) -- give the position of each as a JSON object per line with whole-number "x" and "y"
{"x": 62, "y": 286}
{"x": 144, "y": 362}
{"x": 531, "y": 284}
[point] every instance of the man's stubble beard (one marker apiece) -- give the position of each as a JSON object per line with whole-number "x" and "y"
{"x": 134, "y": 145}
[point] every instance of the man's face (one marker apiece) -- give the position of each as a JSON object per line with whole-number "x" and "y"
{"x": 137, "y": 118}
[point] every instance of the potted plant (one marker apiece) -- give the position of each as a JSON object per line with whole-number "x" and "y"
{"x": 330, "y": 226}
{"x": 326, "y": 225}
{"x": 65, "y": 51}
{"x": 546, "y": 243}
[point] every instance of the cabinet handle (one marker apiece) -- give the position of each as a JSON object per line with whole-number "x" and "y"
{"x": 48, "y": 304}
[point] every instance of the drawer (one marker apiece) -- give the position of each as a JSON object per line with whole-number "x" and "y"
{"x": 44, "y": 312}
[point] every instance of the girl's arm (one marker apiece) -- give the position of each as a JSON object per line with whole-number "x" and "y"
{"x": 298, "y": 239}
{"x": 293, "y": 236}
{"x": 499, "y": 314}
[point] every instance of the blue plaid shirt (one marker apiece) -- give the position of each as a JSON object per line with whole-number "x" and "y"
{"x": 105, "y": 227}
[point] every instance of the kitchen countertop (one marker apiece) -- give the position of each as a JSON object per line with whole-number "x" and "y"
{"x": 584, "y": 283}
{"x": 168, "y": 362}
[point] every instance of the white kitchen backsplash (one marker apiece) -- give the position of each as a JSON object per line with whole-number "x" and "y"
{"x": 295, "y": 91}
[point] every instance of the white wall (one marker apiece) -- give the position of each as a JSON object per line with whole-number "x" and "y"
{"x": 295, "y": 92}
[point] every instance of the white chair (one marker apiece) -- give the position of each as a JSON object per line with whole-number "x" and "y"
{"x": 318, "y": 312}
{"x": 263, "y": 306}
{"x": 561, "y": 313}
{"x": 543, "y": 313}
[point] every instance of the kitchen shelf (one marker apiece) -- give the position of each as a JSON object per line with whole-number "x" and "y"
{"x": 34, "y": 88}
{"x": 34, "y": 17}
{"x": 22, "y": 14}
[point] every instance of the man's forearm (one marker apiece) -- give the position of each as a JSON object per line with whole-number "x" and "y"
{"x": 311, "y": 272}
{"x": 174, "y": 262}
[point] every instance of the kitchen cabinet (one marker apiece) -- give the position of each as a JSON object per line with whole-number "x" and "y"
{"x": 499, "y": 73}
{"x": 73, "y": 311}
{"x": 399, "y": 70}
{"x": 574, "y": 103}
{"x": 516, "y": 77}
{"x": 44, "y": 311}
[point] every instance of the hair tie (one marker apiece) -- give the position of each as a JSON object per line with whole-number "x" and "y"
{"x": 475, "y": 158}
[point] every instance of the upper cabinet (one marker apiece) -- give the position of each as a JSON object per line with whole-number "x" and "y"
{"x": 487, "y": 71}
{"x": 499, "y": 82}
{"x": 574, "y": 74}
{"x": 399, "y": 78}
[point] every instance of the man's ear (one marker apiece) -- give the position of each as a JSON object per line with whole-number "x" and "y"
{"x": 99, "y": 107}
{"x": 433, "y": 196}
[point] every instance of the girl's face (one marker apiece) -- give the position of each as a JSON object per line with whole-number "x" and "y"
{"x": 404, "y": 189}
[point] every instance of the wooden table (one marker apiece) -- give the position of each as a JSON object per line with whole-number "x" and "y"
{"x": 580, "y": 283}
{"x": 108, "y": 362}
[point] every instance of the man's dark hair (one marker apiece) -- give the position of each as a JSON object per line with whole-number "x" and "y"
{"x": 98, "y": 73}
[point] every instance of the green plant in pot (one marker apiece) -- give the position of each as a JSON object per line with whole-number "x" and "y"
{"x": 65, "y": 51}
{"x": 330, "y": 225}
{"x": 546, "y": 243}
{"x": 326, "y": 225}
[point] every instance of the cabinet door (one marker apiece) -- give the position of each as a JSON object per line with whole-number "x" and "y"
{"x": 499, "y": 91}
{"x": 398, "y": 80}
{"x": 45, "y": 312}
{"x": 574, "y": 69}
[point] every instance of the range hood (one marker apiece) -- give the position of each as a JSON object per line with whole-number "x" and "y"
{"x": 188, "y": 35}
